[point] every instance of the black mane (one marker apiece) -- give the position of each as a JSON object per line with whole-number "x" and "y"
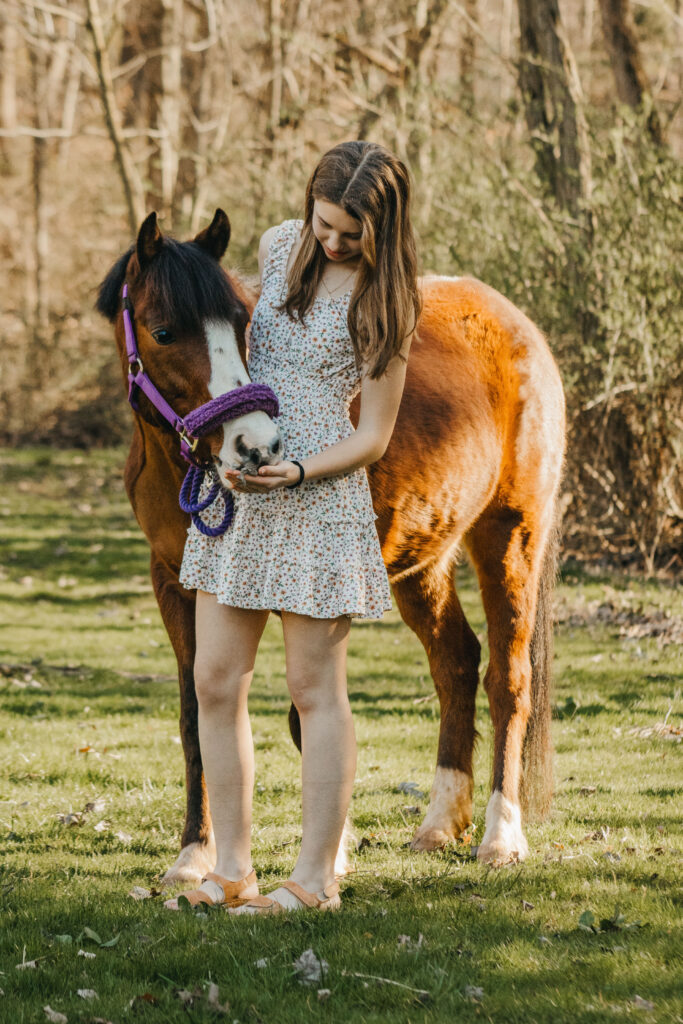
{"x": 184, "y": 286}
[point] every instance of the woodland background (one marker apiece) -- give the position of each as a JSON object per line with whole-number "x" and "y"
{"x": 545, "y": 143}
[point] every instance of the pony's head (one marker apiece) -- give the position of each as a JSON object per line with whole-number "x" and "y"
{"x": 190, "y": 321}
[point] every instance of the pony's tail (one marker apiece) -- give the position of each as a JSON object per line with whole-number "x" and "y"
{"x": 536, "y": 788}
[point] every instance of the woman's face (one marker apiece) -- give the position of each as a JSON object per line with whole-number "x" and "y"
{"x": 338, "y": 232}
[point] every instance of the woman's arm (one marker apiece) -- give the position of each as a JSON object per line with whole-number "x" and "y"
{"x": 379, "y": 404}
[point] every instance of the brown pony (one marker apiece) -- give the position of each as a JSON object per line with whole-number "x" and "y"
{"x": 474, "y": 462}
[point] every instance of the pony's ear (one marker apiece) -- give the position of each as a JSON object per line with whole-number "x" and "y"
{"x": 150, "y": 240}
{"x": 215, "y": 238}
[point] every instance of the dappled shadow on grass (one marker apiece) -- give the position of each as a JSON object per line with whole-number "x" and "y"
{"x": 118, "y": 557}
{"x": 486, "y": 940}
{"x": 75, "y": 601}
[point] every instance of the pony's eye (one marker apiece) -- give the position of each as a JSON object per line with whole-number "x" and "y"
{"x": 162, "y": 336}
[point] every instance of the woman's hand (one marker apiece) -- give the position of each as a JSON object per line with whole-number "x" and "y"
{"x": 269, "y": 478}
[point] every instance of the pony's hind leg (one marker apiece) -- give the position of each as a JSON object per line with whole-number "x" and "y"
{"x": 198, "y": 850}
{"x": 508, "y": 553}
{"x": 429, "y": 604}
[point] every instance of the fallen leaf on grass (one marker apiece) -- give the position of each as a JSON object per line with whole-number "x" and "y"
{"x": 87, "y": 993}
{"x": 474, "y": 993}
{"x": 527, "y": 906}
{"x": 213, "y": 1000}
{"x": 72, "y": 818}
{"x": 263, "y": 962}
{"x": 412, "y": 788}
{"x": 88, "y": 933}
{"x": 323, "y": 994}
{"x": 84, "y": 953}
{"x": 96, "y": 805}
{"x": 413, "y": 809}
{"x": 64, "y": 940}
{"x": 310, "y": 969}
{"x": 586, "y": 790}
{"x": 188, "y": 998}
{"x": 140, "y": 893}
{"x": 102, "y": 826}
{"x": 616, "y": 923}
{"x": 54, "y": 1016}
{"x": 642, "y": 1004}
{"x": 410, "y": 946}
{"x": 124, "y": 837}
{"x": 146, "y": 997}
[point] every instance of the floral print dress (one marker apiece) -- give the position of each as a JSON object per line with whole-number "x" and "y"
{"x": 313, "y": 549}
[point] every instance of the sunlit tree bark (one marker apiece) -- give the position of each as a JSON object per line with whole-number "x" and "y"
{"x": 624, "y": 54}
{"x": 551, "y": 91}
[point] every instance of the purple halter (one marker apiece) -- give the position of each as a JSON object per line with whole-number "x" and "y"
{"x": 201, "y": 421}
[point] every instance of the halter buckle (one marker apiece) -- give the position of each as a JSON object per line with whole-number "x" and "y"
{"x": 189, "y": 440}
{"x": 140, "y": 368}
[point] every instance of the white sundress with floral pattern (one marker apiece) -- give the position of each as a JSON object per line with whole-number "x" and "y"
{"x": 313, "y": 549}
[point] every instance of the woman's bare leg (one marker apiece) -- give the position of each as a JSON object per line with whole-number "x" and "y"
{"x": 316, "y": 677}
{"x": 227, "y": 642}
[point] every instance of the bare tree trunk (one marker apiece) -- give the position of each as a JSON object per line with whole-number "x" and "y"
{"x": 169, "y": 119}
{"x": 132, "y": 186}
{"x": 468, "y": 54}
{"x": 550, "y": 87}
{"x": 276, "y": 67}
{"x": 506, "y": 29}
{"x": 8, "y": 96}
{"x": 404, "y": 95}
{"x": 70, "y": 106}
{"x": 624, "y": 54}
{"x": 41, "y": 244}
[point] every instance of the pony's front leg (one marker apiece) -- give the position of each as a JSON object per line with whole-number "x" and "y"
{"x": 198, "y": 850}
{"x": 429, "y": 605}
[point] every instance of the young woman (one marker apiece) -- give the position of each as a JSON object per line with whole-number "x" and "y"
{"x": 338, "y": 306}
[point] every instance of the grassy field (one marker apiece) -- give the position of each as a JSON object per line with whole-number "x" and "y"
{"x": 91, "y": 800}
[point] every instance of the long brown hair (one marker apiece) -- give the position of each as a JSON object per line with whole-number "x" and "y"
{"x": 372, "y": 186}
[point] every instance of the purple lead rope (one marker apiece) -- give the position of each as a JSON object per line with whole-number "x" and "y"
{"x": 189, "y": 502}
{"x": 201, "y": 421}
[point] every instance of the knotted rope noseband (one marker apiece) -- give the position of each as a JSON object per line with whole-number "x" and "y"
{"x": 201, "y": 421}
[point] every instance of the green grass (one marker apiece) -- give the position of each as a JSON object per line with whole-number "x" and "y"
{"x": 89, "y": 709}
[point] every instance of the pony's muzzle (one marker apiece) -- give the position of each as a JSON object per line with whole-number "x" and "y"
{"x": 253, "y": 442}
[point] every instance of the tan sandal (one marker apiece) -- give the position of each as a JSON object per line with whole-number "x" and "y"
{"x": 327, "y": 900}
{"x": 232, "y": 892}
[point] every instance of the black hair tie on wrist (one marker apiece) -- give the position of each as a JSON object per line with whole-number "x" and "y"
{"x": 301, "y": 475}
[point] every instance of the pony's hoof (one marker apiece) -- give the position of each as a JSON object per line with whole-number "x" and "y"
{"x": 504, "y": 841}
{"x": 430, "y": 839}
{"x": 499, "y": 853}
{"x": 194, "y": 862}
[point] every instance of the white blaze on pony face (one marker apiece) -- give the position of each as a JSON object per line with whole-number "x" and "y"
{"x": 249, "y": 439}
{"x": 503, "y": 839}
